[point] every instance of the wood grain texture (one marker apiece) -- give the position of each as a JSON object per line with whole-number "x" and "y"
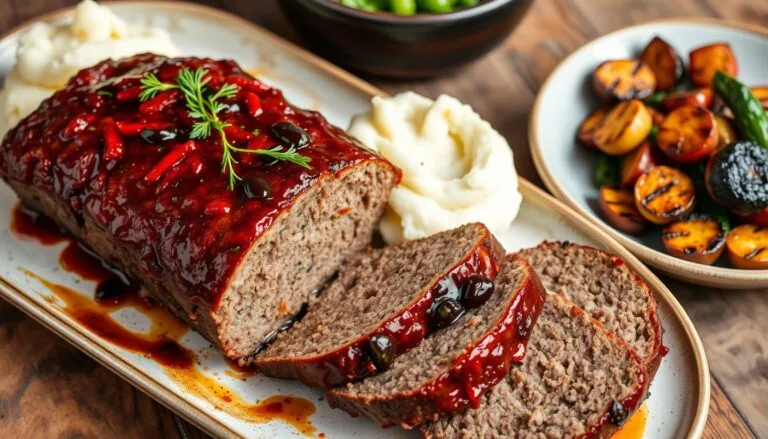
{"x": 48, "y": 389}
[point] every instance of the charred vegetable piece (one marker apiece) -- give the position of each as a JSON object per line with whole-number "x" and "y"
{"x": 707, "y": 60}
{"x": 698, "y": 97}
{"x": 737, "y": 177}
{"x": 624, "y": 127}
{"x": 747, "y": 247}
{"x": 665, "y": 63}
{"x": 725, "y": 132}
{"x": 634, "y": 164}
{"x": 761, "y": 94}
{"x": 606, "y": 171}
{"x": 664, "y": 194}
{"x": 617, "y": 207}
{"x": 750, "y": 116}
{"x": 698, "y": 238}
{"x": 623, "y": 79}
{"x": 585, "y": 136}
{"x": 688, "y": 134}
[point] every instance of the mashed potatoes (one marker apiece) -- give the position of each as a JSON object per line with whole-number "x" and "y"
{"x": 49, "y": 55}
{"x": 456, "y": 167}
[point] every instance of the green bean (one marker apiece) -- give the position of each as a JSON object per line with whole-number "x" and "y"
{"x": 403, "y": 7}
{"x": 436, "y": 6}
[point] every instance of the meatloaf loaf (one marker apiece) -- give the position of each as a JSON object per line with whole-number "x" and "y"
{"x": 378, "y": 307}
{"x": 578, "y": 380}
{"x": 607, "y": 289}
{"x": 136, "y": 180}
{"x": 454, "y": 366}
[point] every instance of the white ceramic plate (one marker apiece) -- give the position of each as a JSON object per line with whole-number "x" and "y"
{"x": 566, "y": 98}
{"x": 680, "y": 393}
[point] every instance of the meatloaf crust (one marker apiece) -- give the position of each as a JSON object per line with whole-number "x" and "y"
{"x": 127, "y": 178}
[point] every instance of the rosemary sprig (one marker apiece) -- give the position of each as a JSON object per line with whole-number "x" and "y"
{"x": 205, "y": 108}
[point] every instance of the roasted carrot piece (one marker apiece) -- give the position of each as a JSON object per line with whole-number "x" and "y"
{"x": 664, "y": 194}
{"x": 617, "y": 207}
{"x": 642, "y": 159}
{"x": 706, "y": 60}
{"x": 688, "y": 134}
{"x": 698, "y": 238}
{"x": 665, "y": 63}
{"x": 623, "y": 79}
{"x": 585, "y": 136}
{"x": 747, "y": 247}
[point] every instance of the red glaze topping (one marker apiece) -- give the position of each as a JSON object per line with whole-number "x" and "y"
{"x": 407, "y": 329}
{"x": 133, "y": 169}
{"x": 488, "y": 362}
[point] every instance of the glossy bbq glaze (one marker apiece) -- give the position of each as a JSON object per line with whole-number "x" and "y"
{"x": 131, "y": 167}
{"x": 405, "y": 330}
{"x": 488, "y": 362}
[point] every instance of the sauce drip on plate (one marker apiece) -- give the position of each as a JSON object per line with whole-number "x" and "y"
{"x": 161, "y": 342}
{"x": 635, "y": 426}
{"x": 29, "y": 225}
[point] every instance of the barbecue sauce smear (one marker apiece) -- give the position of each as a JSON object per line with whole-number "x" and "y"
{"x": 113, "y": 293}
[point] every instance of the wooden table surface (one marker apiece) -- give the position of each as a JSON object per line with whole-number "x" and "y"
{"x": 49, "y": 389}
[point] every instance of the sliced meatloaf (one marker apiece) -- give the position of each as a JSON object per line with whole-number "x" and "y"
{"x": 381, "y": 296}
{"x": 577, "y": 380}
{"x": 454, "y": 366}
{"x": 607, "y": 289}
{"x": 233, "y": 242}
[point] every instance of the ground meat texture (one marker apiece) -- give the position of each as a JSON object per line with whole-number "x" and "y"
{"x": 603, "y": 286}
{"x": 577, "y": 380}
{"x": 453, "y": 367}
{"x": 235, "y": 264}
{"x": 381, "y": 292}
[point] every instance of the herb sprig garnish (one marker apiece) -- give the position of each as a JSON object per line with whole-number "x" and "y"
{"x": 205, "y": 107}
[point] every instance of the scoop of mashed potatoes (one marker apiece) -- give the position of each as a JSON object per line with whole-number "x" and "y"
{"x": 456, "y": 168}
{"x": 48, "y": 55}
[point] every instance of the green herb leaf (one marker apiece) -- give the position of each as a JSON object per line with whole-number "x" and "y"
{"x": 205, "y": 108}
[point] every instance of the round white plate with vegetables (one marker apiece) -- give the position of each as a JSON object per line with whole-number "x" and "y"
{"x": 659, "y": 134}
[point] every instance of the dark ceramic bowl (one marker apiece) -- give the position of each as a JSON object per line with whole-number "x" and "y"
{"x": 386, "y": 44}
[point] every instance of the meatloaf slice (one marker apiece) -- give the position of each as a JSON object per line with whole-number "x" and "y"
{"x": 235, "y": 249}
{"x": 454, "y": 366}
{"x": 607, "y": 289}
{"x": 381, "y": 293}
{"x": 577, "y": 380}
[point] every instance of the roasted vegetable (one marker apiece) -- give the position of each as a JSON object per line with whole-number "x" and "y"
{"x": 761, "y": 94}
{"x": 747, "y": 247}
{"x": 585, "y": 136}
{"x": 750, "y": 116}
{"x": 607, "y": 170}
{"x": 664, "y": 194}
{"x": 707, "y": 60}
{"x": 697, "y": 238}
{"x": 624, "y": 127}
{"x": 701, "y": 97}
{"x": 634, "y": 164}
{"x": 688, "y": 134}
{"x": 665, "y": 63}
{"x": 617, "y": 207}
{"x": 737, "y": 177}
{"x": 725, "y": 131}
{"x": 759, "y": 218}
{"x": 623, "y": 79}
